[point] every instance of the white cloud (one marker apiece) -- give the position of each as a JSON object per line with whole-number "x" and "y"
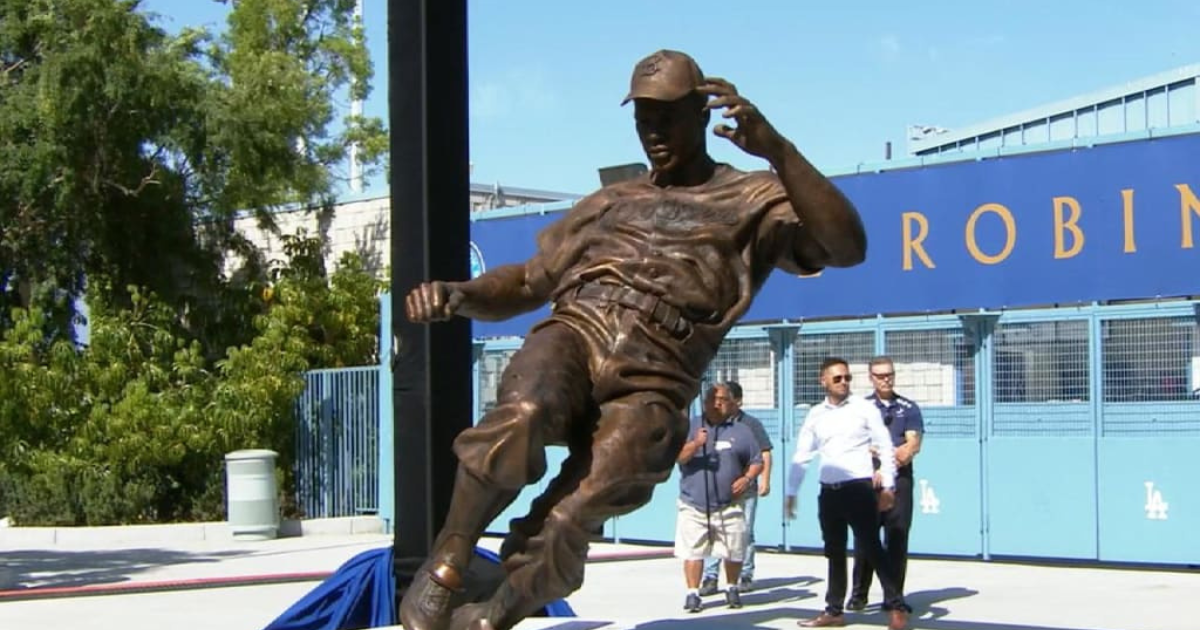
{"x": 489, "y": 101}
{"x": 994, "y": 39}
{"x": 516, "y": 91}
{"x": 890, "y": 45}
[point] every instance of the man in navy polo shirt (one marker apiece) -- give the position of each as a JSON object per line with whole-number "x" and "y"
{"x": 731, "y": 399}
{"x": 903, "y": 419}
{"x": 717, "y": 465}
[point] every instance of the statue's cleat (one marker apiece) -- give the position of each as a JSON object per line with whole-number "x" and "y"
{"x": 428, "y": 600}
{"x": 471, "y": 617}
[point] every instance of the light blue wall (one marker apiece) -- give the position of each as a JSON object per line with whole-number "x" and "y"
{"x": 1046, "y": 479}
{"x": 1050, "y": 479}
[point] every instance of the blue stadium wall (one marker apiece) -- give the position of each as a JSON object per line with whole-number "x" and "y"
{"x": 1039, "y": 302}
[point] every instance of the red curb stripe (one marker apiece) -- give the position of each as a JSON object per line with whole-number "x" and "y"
{"x": 134, "y": 587}
{"x": 615, "y": 556}
{"x": 38, "y": 592}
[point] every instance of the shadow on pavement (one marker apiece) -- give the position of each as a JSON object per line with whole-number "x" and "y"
{"x": 34, "y": 568}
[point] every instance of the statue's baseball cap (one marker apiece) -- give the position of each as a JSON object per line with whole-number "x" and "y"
{"x": 665, "y": 75}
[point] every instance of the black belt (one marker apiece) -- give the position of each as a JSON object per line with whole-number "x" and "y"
{"x": 843, "y": 484}
{"x": 650, "y": 305}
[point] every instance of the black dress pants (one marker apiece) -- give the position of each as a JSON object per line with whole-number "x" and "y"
{"x": 896, "y": 524}
{"x": 853, "y": 504}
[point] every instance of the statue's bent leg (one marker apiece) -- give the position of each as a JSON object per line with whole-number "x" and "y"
{"x": 571, "y": 473}
{"x": 634, "y": 448}
{"x": 545, "y": 384}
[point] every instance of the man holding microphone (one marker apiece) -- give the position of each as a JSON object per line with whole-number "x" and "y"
{"x": 717, "y": 464}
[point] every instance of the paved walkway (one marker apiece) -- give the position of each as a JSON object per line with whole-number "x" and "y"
{"x": 947, "y": 595}
{"x": 645, "y": 593}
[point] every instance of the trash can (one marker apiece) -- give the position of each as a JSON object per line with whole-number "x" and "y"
{"x": 252, "y": 504}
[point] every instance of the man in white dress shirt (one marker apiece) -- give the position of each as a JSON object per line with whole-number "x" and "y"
{"x": 842, "y": 429}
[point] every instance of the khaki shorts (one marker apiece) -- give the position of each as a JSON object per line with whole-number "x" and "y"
{"x": 727, "y": 540}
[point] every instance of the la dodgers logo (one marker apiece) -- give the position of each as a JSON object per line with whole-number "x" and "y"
{"x": 930, "y": 503}
{"x": 1156, "y": 508}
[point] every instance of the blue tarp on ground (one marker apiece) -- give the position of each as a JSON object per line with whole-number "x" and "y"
{"x": 360, "y": 594}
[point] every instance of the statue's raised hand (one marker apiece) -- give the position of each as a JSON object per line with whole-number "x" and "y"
{"x": 753, "y": 134}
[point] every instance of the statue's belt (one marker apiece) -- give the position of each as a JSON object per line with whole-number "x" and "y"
{"x": 659, "y": 312}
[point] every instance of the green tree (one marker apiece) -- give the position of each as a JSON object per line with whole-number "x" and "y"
{"x": 337, "y": 314}
{"x": 134, "y": 427}
{"x": 126, "y": 152}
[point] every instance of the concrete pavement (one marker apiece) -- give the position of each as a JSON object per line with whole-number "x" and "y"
{"x": 645, "y": 593}
{"x": 946, "y": 595}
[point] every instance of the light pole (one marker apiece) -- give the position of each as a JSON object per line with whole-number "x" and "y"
{"x": 430, "y": 236}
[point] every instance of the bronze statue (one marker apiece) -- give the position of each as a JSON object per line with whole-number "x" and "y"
{"x": 646, "y": 277}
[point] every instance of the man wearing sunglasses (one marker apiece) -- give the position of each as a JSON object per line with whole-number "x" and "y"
{"x": 902, "y": 416}
{"x": 843, "y": 429}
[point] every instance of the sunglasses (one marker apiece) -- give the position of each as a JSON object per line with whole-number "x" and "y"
{"x": 883, "y": 375}
{"x": 840, "y": 378}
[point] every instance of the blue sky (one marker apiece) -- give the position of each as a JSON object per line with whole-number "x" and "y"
{"x": 839, "y": 79}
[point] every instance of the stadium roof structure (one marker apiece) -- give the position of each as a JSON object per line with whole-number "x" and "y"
{"x": 1166, "y": 100}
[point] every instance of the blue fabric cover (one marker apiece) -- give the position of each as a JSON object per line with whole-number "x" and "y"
{"x": 360, "y": 594}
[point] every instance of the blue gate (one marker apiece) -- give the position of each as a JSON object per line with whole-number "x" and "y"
{"x": 337, "y": 443}
{"x": 1058, "y": 433}
{"x": 937, "y": 366}
{"x": 1054, "y": 433}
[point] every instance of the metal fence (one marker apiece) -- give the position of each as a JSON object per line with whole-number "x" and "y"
{"x": 1055, "y": 433}
{"x": 489, "y": 366}
{"x": 337, "y": 443}
{"x": 809, "y": 350}
{"x": 1060, "y": 433}
{"x": 751, "y": 363}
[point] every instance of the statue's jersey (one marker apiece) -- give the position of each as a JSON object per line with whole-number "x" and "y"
{"x": 706, "y": 250}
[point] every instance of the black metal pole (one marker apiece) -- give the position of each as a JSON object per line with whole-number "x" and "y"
{"x": 430, "y": 232}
